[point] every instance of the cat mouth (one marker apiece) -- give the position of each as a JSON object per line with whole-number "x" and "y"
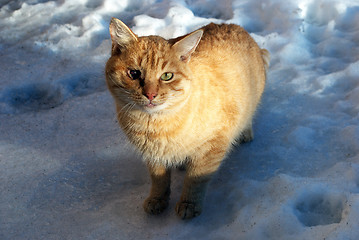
{"x": 151, "y": 104}
{"x": 154, "y": 106}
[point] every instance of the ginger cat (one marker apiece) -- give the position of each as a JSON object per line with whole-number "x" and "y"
{"x": 185, "y": 101}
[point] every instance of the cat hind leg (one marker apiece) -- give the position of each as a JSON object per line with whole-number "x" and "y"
{"x": 246, "y": 135}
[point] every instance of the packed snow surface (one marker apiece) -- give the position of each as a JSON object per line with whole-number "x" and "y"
{"x": 68, "y": 172}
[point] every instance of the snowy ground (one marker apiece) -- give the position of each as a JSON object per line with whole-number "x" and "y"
{"x": 67, "y": 172}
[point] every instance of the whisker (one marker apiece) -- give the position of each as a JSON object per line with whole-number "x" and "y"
{"x": 130, "y": 108}
{"x": 126, "y": 105}
{"x": 114, "y": 82}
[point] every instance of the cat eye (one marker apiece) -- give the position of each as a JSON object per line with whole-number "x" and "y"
{"x": 134, "y": 74}
{"x": 166, "y": 76}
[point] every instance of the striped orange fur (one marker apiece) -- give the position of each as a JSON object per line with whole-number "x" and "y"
{"x": 185, "y": 101}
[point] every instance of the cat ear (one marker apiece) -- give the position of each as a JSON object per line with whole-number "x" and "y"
{"x": 187, "y": 45}
{"x": 121, "y": 35}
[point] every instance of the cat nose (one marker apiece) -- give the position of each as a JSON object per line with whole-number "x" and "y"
{"x": 151, "y": 95}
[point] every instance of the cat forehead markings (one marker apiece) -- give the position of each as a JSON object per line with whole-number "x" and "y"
{"x": 154, "y": 54}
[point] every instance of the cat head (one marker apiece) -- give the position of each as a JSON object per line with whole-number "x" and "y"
{"x": 150, "y": 74}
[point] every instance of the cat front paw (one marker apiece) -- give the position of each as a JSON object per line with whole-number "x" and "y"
{"x": 155, "y": 206}
{"x": 188, "y": 210}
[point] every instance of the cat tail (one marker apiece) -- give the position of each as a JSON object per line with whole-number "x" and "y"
{"x": 265, "y": 57}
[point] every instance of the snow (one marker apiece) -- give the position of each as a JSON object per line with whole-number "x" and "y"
{"x": 68, "y": 172}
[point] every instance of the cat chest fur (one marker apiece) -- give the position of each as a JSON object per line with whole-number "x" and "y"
{"x": 160, "y": 138}
{"x": 171, "y": 139}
